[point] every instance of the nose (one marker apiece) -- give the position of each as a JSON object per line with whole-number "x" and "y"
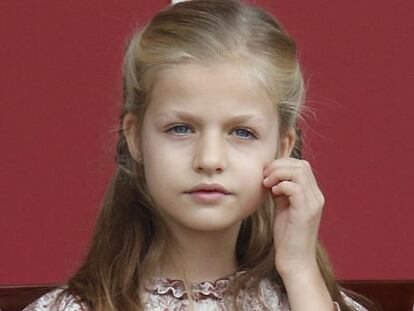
{"x": 210, "y": 154}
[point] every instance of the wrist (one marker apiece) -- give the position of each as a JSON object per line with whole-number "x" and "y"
{"x": 299, "y": 270}
{"x": 306, "y": 289}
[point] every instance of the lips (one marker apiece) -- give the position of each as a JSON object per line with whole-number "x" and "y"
{"x": 212, "y": 187}
{"x": 208, "y": 193}
{"x": 208, "y": 197}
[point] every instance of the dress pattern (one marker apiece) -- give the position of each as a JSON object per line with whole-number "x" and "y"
{"x": 163, "y": 294}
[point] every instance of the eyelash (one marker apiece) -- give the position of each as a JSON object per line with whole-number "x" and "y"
{"x": 252, "y": 134}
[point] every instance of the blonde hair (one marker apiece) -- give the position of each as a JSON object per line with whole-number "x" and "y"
{"x": 130, "y": 235}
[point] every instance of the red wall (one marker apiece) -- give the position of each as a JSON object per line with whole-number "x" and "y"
{"x": 60, "y": 94}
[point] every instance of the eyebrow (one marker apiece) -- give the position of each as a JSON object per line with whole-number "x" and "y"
{"x": 238, "y": 118}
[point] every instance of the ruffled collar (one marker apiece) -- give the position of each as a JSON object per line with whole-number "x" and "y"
{"x": 201, "y": 290}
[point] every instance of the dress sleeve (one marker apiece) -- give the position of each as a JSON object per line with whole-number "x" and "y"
{"x": 48, "y": 303}
{"x": 275, "y": 300}
{"x": 352, "y": 303}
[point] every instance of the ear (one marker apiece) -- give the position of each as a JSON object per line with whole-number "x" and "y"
{"x": 287, "y": 143}
{"x": 129, "y": 127}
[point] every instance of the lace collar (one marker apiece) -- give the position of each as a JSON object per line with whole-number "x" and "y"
{"x": 202, "y": 290}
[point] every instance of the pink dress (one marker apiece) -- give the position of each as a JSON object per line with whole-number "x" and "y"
{"x": 165, "y": 294}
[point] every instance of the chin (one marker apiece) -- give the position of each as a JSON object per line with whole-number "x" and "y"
{"x": 211, "y": 227}
{"x": 209, "y": 223}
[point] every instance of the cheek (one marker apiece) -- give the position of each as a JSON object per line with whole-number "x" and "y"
{"x": 162, "y": 166}
{"x": 251, "y": 163}
{"x": 250, "y": 178}
{"x": 255, "y": 181}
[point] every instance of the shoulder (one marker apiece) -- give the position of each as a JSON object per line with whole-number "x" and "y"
{"x": 352, "y": 303}
{"x": 49, "y": 302}
{"x": 272, "y": 296}
{"x": 275, "y": 298}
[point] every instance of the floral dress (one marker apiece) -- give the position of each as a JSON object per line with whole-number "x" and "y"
{"x": 163, "y": 294}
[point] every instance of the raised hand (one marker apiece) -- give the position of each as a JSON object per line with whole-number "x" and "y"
{"x": 299, "y": 203}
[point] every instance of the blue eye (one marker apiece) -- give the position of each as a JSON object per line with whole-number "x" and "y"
{"x": 181, "y": 129}
{"x": 245, "y": 131}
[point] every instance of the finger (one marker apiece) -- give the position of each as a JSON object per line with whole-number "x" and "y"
{"x": 294, "y": 174}
{"x": 300, "y": 176}
{"x": 291, "y": 190}
{"x": 281, "y": 162}
{"x": 286, "y": 188}
{"x": 298, "y": 200}
{"x": 301, "y": 173}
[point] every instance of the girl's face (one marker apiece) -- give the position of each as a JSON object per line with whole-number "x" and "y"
{"x": 208, "y": 125}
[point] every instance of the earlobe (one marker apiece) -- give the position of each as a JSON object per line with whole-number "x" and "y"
{"x": 129, "y": 128}
{"x": 288, "y": 143}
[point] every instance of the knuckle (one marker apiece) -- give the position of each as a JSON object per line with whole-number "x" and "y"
{"x": 283, "y": 183}
{"x": 322, "y": 199}
{"x": 301, "y": 171}
{"x": 315, "y": 209}
{"x": 272, "y": 167}
{"x": 315, "y": 212}
{"x": 297, "y": 188}
{"x": 305, "y": 164}
{"x": 276, "y": 164}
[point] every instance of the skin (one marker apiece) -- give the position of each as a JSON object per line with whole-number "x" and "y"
{"x": 210, "y": 146}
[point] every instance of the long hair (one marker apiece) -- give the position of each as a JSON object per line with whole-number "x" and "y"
{"x": 130, "y": 235}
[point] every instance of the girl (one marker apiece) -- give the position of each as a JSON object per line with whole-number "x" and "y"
{"x": 210, "y": 207}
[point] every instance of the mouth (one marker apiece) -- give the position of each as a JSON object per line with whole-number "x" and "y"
{"x": 208, "y": 193}
{"x": 209, "y": 187}
{"x": 208, "y": 196}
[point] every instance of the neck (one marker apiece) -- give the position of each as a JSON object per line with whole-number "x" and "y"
{"x": 202, "y": 255}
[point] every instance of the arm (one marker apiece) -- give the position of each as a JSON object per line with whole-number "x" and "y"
{"x": 306, "y": 290}
{"x": 299, "y": 203}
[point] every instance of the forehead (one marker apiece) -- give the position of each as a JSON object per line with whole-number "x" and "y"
{"x": 213, "y": 89}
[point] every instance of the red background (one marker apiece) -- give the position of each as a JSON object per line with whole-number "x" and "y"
{"x": 60, "y": 64}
